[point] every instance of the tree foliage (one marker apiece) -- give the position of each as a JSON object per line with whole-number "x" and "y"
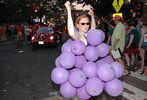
{"x": 24, "y": 10}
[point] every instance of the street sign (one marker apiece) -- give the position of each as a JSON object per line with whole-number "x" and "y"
{"x": 117, "y": 4}
{"x": 119, "y": 14}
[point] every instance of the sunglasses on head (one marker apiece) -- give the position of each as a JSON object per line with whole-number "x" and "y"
{"x": 84, "y": 23}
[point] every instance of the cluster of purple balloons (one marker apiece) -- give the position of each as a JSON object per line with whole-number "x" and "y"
{"x": 87, "y": 70}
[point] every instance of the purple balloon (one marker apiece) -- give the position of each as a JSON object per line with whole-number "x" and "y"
{"x": 77, "y": 78}
{"x": 70, "y": 40}
{"x": 108, "y": 59}
{"x": 94, "y": 86}
{"x": 99, "y": 62}
{"x": 59, "y": 75}
{"x": 82, "y": 93}
{"x": 74, "y": 69}
{"x": 78, "y": 47}
{"x": 94, "y": 37}
{"x": 90, "y": 69}
{"x": 66, "y": 47}
{"x": 102, "y": 33}
{"x": 57, "y": 62}
{"x": 103, "y": 49}
{"x": 114, "y": 87}
{"x": 67, "y": 90}
{"x": 91, "y": 53}
{"x": 106, "y": 72}
{"x": 119, "y": 70}
{"x": 80, "y": 61}
{"x": 67, "y": 60}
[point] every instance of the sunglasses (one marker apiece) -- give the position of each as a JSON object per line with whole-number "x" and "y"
{"x": 84, "y": 23}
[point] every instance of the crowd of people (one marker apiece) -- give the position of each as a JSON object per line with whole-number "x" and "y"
{"x": 129, "y": 36}
{"x": 17, "y": 32}
{"x": 21, "y": 32}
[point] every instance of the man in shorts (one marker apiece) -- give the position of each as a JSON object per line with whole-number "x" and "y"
{"x": 118, "y": 39}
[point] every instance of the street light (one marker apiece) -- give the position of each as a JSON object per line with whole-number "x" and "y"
{"x": 36, "y": 10}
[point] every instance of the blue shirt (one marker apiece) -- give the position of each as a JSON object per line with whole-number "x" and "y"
{"x": 134, "y": 32}
{"x": 110, "y": 34}
{"x": 143, "y": 43}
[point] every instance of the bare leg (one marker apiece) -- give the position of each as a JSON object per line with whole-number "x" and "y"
{"x": 127, "y": 59}
{"x": 145, "y": 70}
{"x": 132, "y": 59}
{"x": 142, "y": 53}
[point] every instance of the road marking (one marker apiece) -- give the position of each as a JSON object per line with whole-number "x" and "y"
{"x": 137, "y": 94}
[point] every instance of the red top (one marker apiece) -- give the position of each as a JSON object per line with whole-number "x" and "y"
{"x": 19, "y": 29}
{"x": 2, "y": 31}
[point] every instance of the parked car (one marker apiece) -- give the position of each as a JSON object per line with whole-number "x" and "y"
{"x": 46, "y": 36}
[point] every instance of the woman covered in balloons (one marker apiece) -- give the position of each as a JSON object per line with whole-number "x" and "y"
{"x": 82, "y": 24}
{"x": 76, "y": 72}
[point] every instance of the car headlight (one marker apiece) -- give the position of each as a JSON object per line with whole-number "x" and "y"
{"x": 51, "y": 37}
{"x": 33, "y": 37}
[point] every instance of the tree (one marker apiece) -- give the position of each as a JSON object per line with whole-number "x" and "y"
{"x": 24, "y": 10}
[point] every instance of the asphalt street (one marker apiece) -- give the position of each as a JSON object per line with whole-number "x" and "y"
{"x": 25, "y": 75}
{"x": 25, "y": 72}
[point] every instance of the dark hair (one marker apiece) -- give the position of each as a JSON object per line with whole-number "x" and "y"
{"x": 144, "y": 19}
{"x": 132, "y": 22}
{"x": 112, "y": 23}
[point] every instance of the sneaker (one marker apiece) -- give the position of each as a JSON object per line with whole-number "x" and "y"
{"x": 140, "y": 70}
{"x": 126, "y": 73}
{"x": 128, "y": 67}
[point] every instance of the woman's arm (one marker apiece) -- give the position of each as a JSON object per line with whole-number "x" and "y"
{"x": 70, "y": 25}
{"x": 130, "y": 41}
{"x": 142, "y": 37}
{"x": 93, "y": 25}
{"x": 109, "y": 38}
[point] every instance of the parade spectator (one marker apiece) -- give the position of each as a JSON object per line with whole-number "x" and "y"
{"x": 82, "y": 24}
{"x": 138, "y": 23}
{"x": 127, "y": 30}
{"x": 28, "y": 32}
{"x": 132, "y": 44}
{"x": 9, "y": 33}
{"x": 98, "y": 23}
{"x": 13, "y": 29}
{"x": 2, "y": 34}
{"x": 19, "y": 35}
{"x": 65, "y": 31}
{"x": 35, "y": 28}
{"x": 118, "y": 39}
{"x": 143, "y": 44}
{"x": 111, "y": 25}
{"x": 52, "y": 23}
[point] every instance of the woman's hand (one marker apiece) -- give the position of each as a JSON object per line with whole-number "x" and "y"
{"x": 127, "y": 46}
{"x": 67, "y": 5}
{"x": 91, "y": 13}
{"x": 114, "y": 48}
{"x": 139, "y": 47}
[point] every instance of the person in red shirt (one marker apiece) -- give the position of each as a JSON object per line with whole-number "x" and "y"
{"x": 2, "y": 34}
{"x": 35, "y": 28}
{"x": 19, "y": 35}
